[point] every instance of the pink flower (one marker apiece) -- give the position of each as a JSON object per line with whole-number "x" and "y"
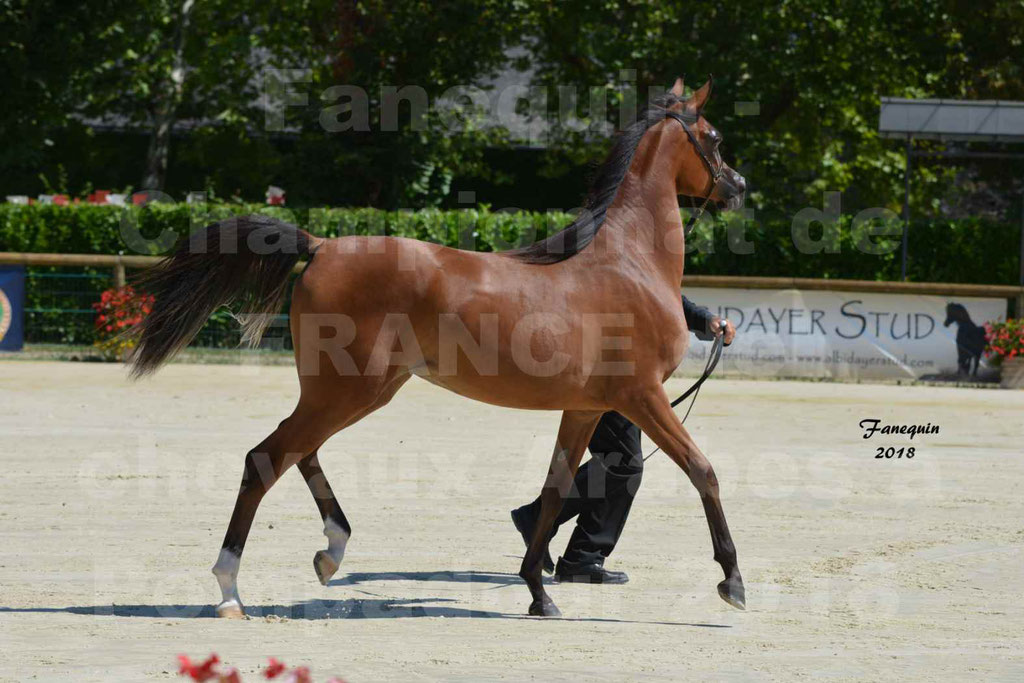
{"x": 299, "y": 674}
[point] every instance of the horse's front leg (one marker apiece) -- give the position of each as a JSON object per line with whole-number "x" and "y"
{"x": 573, "y": 436}
{"x": 652, "y": 412}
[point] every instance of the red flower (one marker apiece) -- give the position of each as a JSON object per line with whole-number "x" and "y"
{"x": 1005, "y": 339}
{"x": 274, "y": 669}
{"x": 200, "y": 672}
{"x": 118, "y": 310}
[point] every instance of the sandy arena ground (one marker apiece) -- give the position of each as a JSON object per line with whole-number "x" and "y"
{"x": 115, "y": 496}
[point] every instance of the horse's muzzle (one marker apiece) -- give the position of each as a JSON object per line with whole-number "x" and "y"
{"x": 732, "y": 189}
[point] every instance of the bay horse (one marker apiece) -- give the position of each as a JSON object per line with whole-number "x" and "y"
{"x": 521, "y": 328}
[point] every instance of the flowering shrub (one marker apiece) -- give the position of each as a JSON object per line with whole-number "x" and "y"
{"x": 1005, "y": 340}
{"x": 210, "y": 670}
{"x": 117, "y": 311}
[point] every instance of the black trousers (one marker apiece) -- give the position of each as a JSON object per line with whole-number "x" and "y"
{"x": 601, "y": 496}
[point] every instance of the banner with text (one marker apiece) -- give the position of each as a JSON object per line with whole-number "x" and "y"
{"x": 848, "y": 335}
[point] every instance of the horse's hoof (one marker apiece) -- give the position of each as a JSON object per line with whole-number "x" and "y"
{"x": 544, "y": 608}
{"x": 325, "y": 566}
{"x": 731, "y": 590}
{"x": 230, "y": 609}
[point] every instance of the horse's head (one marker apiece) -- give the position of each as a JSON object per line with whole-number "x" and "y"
{"x": 955, "y": 313}
{"x": 702, "y": 159}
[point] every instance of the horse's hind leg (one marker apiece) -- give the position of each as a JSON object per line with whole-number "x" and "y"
{"x": 336, "y": 526}
{"x": 573, "y": 436}
{"x": 652, "y": 412}
{"x": 295, "y": 440}
{"x": 297, "y": 436}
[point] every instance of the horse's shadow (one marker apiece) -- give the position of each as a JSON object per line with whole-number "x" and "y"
{"x": 352, "y": 608}
{"x": 355, "y": 608}
{"x": 311, "y": 610}
{"x": 498, "y": 579}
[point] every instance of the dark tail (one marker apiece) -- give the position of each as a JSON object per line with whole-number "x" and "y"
{"x": 245, "y": 259}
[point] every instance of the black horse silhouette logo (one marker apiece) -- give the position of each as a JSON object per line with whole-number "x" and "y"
{"x": 970, "y": 338}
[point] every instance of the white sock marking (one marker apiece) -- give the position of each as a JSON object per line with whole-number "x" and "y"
{"x": 337, "y": 539}
{"x": 226, "y": 571}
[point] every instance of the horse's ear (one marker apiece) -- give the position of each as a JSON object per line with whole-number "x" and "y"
{"x": 701, "y": 97}
{"x": 677, "y": 88}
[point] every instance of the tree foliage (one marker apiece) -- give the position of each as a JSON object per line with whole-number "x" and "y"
{"x": 811, "y": 75}
{"x": 371, "y": 45}
{"x": 48, "y": 58}
{"x": 797, "y": 90}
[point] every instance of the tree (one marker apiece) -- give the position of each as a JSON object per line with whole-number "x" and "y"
{"x": 175, "y": 61}
{"x": 378, "y": 47}
{"x": 48, "y": 55}
{"x": 812, "y": 72}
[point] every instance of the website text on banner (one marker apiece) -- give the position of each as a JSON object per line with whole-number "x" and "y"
{"x": 848, "y": 335}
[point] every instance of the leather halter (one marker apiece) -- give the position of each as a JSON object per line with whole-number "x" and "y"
{"x": 716, "y": 172}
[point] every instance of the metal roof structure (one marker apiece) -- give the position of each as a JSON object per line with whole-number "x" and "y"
{"x": 977, "y": 121}
{"x": 993, "y": 121}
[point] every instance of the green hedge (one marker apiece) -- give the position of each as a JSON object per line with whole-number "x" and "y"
{"x": 109, "y": 230}
{"x": 941, "y": 250}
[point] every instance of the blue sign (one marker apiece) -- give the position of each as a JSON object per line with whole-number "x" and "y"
{"x": 12, "y": 308}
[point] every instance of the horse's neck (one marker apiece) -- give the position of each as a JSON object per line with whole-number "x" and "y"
{"x": 642, "y": 228}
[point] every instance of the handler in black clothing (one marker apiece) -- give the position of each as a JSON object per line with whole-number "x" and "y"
{"x": 602, "y": 496}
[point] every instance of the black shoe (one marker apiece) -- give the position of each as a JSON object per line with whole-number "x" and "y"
{"x": 525, "y": 522}
{"x": 587, "y": 572}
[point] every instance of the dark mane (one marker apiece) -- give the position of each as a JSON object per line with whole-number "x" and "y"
{"x": 571, "y": 240}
